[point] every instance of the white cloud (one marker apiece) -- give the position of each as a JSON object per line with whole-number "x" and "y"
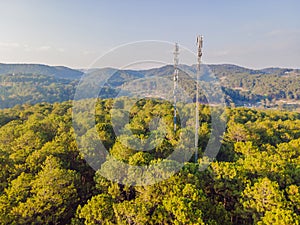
{"x": 87, "y": 52}
{"x": 44, "y": 48}
{"x": 61, "y": 50}
{"x": 9, "y": 44}
{"x": 282, "y": 33}
{"x": 219, "y": 53}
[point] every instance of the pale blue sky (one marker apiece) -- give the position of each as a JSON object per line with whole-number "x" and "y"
{"x": 74, "y": 33}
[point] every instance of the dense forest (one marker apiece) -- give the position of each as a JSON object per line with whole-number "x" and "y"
{"x": 255, "y": 178}
{"x": 23, "y": 88}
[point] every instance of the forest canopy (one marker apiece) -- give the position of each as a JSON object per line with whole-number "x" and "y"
{"x": 255, "y": 178}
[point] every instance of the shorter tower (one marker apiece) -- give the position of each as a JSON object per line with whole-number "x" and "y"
{"x": 175, "y": 77}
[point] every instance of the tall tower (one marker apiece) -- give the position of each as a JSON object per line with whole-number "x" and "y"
{"x": 176, "y": 60}
{"x": 199, "y": 45}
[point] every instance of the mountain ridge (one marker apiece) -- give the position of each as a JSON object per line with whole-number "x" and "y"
{"x": 33, "y": 83}
{"x": 17, "y": 67}
{"x": 41, "y": 69}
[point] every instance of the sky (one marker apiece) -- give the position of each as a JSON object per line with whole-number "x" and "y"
{"x": 73, "y": 33}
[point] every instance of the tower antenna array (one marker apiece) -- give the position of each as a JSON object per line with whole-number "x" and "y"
{"x": 176, "y": 60}
{"x": 199, "y": 45}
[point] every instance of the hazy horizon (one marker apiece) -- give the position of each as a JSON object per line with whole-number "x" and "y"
{"x": 145, "y": 68}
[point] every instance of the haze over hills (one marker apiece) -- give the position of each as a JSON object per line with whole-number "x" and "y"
{"x": 39, "y": 69}
{"x": 33, "y": 83}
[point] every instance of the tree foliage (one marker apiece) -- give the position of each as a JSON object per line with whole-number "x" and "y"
{"x": 44, "y": 178}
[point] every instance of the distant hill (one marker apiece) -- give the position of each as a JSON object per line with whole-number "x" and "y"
{"x": 33, "y": 83}
{"x": 270, "y": 87}
{"x": 38, "y": 69}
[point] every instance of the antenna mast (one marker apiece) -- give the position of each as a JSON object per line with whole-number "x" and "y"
{"x": 176, "y": 60}
{"x": 200, "y": 45}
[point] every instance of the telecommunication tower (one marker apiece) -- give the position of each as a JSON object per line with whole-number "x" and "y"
{"x": 199, "y": 45}
{"x": 176, "y": 60}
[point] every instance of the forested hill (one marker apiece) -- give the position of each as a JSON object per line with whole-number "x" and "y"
{"x": 39, "y": 69}
{"x": 270, "y": 87}
{"x": 33, "y": 83}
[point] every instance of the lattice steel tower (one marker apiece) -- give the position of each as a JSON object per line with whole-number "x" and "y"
{"x": 176, "y": 60}
{"x": 199, "y": 45}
